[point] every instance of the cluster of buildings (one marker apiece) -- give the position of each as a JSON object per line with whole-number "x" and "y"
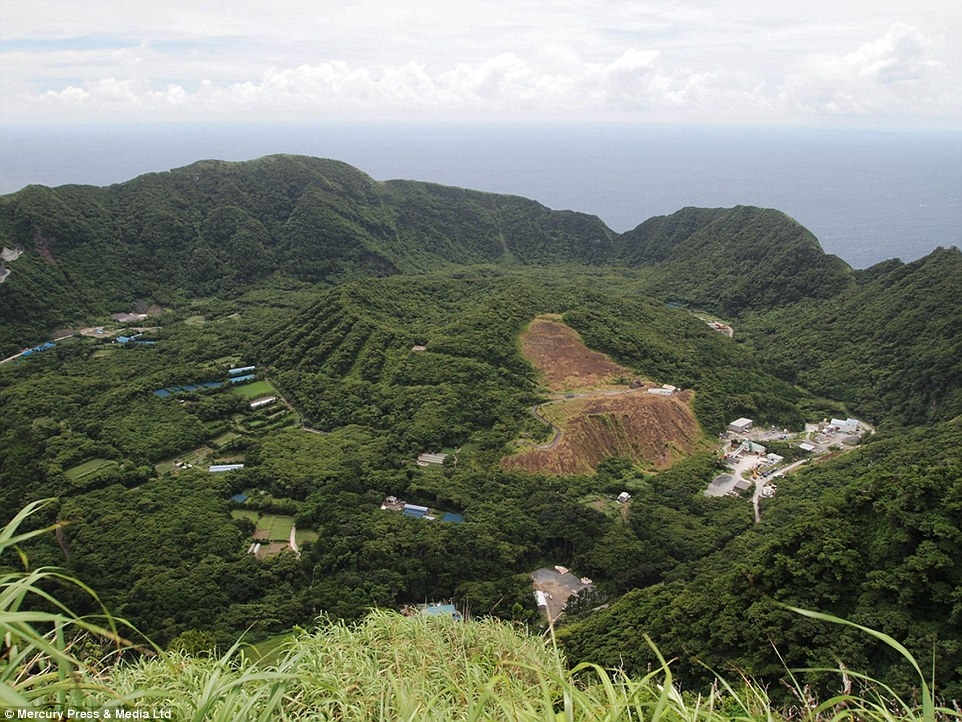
{"x": 392, "y": 503}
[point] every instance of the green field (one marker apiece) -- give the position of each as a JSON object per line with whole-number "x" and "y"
{"x": 195, "y": 457}
{"x": 224, "y": 438}
{"x": 82, "y": 471}
{"x": 255, "y": 389}
{"x": 278, "y": 527}
{"x": 305, "y": 535}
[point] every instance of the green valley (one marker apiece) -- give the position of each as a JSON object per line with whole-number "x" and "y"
{"x": 313, "y": 332}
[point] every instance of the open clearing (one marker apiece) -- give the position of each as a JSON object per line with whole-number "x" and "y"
{"x": 595, "y": 413}
{"x": 566, "y": 364}
{"x": 88, "y": 468}
{"x": 255, "y": 389}
{"x": 270, "y": 527}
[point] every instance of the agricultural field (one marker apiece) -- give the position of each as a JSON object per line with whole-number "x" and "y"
{"x": 273, "y": 527}
{"x": 255, "y": 389}
{"x": 194, "y": 457}
{"x": 224, "y": 438}
{"x": 305, "y": 535}
{"x": 87, "y": 469}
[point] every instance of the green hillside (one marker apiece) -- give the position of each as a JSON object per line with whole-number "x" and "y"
{"x": 891, "y": 345}
{"x": 375, "y": 321}
{"x": 217, "y": 228}
{"x": 386, "y": 666}
{"x": 872, "y": 537}
{"x": 733, "y": 260}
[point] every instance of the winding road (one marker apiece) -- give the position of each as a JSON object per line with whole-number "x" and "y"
{"x": 536, "y": 412}
{"x": 558, "y": 398}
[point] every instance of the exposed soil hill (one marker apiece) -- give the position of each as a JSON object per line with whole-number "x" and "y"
{"x": 651, "y": 430}
{"x": 599, "y": 415}
{"x": 565, "y": 363}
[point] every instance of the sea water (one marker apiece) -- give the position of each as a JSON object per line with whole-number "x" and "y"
{"x": 867, "y": 196}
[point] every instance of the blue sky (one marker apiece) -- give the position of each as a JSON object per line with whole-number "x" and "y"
{"x": 883, "y": 64}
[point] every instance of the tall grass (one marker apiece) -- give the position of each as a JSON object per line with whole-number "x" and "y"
{"x": 386, "y": 667}
{"x": 38, "y": 633}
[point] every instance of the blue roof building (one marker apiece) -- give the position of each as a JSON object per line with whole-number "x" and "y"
{"x": 443, "y": 610}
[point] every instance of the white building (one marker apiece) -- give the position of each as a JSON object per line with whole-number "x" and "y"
{"x": 425, "y": 459}
{"x": 848, "y": 426}
{"x": 740, "y": 426}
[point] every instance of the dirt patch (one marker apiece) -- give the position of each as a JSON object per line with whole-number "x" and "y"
{"x": 565, "y": 363}
{"x": 650, "y": 430}
{"x": 606, "y": 409}
{"x": 272, "y": 549}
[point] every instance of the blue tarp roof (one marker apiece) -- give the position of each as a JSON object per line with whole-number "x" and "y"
{"x": 451, "y": 517}
{"x": 239, "y": 497}
{"x": 41, "y": 347}
{"x": 417, "y": 513}
{"x": 442, "y": 610}
{"x": 238, "y": 379}
{"x": 164, "y": 393}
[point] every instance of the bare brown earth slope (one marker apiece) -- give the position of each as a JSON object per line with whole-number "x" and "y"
{"x": 599, "y": 409}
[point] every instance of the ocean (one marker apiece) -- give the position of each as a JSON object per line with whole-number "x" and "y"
{"x": 867, "y": 196}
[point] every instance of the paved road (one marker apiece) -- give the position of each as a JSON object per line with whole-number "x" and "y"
{"x": 536, "y": 411}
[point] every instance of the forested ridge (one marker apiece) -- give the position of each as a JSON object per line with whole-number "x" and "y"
{"x": 217, "y": 227}
{"x": 384, "y": 319}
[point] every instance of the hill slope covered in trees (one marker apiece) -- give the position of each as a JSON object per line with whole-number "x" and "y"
{"x": 217, "y": 227}
{"x": 326, "y": 281}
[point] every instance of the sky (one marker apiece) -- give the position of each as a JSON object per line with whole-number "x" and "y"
{"x": 881, "y": 64}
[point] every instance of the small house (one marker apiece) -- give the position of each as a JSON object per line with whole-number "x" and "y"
{"x": 623, "y": 497}
{"x": 740, "y": 426}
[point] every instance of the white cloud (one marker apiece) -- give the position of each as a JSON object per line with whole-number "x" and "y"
{"x": 620, "y": 60}
{"x": 893, "y": 73}
{"x": 901, "y": 54}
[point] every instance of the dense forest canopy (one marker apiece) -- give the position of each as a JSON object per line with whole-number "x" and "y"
{"x": 381, "y": 320}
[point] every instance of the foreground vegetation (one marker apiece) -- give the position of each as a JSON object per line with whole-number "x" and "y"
{"x": 384, "y": 667}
